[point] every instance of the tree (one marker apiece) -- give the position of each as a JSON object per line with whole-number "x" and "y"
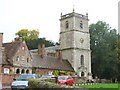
{"x": 28, "y": 34}
{"x": 103, "y": 45}
{"x": 118, "y": 49}
{"x": 33, "y": 34}
{"x": 32, "y": 38}
{"x": 33, "y": 44}
{"x": 118, "y": 55}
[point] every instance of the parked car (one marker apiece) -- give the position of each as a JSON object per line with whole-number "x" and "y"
{"x": 68, "y": 80}
{"x": 22, "y": 81}
{"x": 46, "y": 76}
{"x": 1, "y": 87}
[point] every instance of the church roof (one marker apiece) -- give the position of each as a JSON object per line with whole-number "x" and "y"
{"x": 57, "y": 47}
{"x": 49, "y": 62}
{"x": 53, "y": 48}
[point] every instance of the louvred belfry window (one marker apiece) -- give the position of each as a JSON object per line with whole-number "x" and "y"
{"x": 67, "y": 25}
{"x": 81, "y": 25}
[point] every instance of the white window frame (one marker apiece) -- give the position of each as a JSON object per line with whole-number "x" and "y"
{"x": 6, "y": 70}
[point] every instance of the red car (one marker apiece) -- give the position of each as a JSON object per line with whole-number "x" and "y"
{"x": 68, "y": 80}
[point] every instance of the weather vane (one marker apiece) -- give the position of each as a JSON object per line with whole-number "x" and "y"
{"x": 73, "y": 7}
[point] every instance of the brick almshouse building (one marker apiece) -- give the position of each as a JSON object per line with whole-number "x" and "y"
{"x": 16, "y": 59}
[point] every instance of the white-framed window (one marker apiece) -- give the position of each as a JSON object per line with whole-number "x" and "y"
{"x": 17, "y": 58}
{"x": 6, "y": 70}
{"x": 23, "y": 47}
{"x": 50, "y": 73}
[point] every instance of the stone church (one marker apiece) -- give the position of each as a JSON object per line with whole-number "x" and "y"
{"x": 75, "y": 42}
{"x": 74, "y": 45}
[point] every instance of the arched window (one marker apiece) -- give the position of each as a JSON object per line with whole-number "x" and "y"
{"x": 82, "y": 60}
{"x": 67, "y": 25}
{"x": 27, "y": 71}
{"x": 23, "y": 71}
{"x": 82, "y": 74}
{"x": 17, "y": 71}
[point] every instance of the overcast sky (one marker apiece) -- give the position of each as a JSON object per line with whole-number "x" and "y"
{"x": 44, "y": 15}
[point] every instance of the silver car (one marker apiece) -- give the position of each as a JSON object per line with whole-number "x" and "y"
{"x": 1, "y": 86}
{"x": 22, "y": 81}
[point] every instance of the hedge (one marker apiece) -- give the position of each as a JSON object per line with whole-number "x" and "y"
{"x": 36, "y": 83}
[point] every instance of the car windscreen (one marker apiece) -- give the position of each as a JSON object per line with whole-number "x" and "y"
{"x": 62, "y": 78}
{"x": 46, "y": 76}
{"x": 25, "y": 77}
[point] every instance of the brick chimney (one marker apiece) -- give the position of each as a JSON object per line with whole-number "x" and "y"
{"x": 58, "y": 54}
{"x": 1, "y": 39}
{"x": 41, "y": 50}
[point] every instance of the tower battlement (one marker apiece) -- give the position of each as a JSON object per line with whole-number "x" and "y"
{"x": 74, "y": 14}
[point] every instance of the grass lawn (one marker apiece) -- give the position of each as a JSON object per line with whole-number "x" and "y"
{"x": 102, "y": 87}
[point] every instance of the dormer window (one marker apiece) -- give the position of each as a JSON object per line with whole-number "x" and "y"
{"x": 67, "y": 25}
{"x": 23, "y": 47}
{"x": 81, "y": 25}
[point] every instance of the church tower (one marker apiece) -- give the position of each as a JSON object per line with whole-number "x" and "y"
{"x": 75, "y": 42}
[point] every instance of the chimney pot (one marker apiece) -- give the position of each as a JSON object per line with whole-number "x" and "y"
{"x": 41, "y": 50}
{"x": 59, "y": 54}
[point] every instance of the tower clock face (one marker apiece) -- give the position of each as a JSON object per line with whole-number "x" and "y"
{"x": 81, "y": 40}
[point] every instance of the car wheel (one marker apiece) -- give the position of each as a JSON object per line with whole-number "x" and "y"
{"x": 66, "y": 84}
{"x": 72, "y": 84}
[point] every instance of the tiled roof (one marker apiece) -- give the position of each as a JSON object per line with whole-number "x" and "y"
{"x": 54, "y": 48}
{"x": 50, "y": 63}
{"x": 47, "y": 62}
{"x": 10, "y": 50}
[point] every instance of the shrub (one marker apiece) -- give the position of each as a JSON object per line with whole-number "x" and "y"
{"x": 36, "y": 83}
